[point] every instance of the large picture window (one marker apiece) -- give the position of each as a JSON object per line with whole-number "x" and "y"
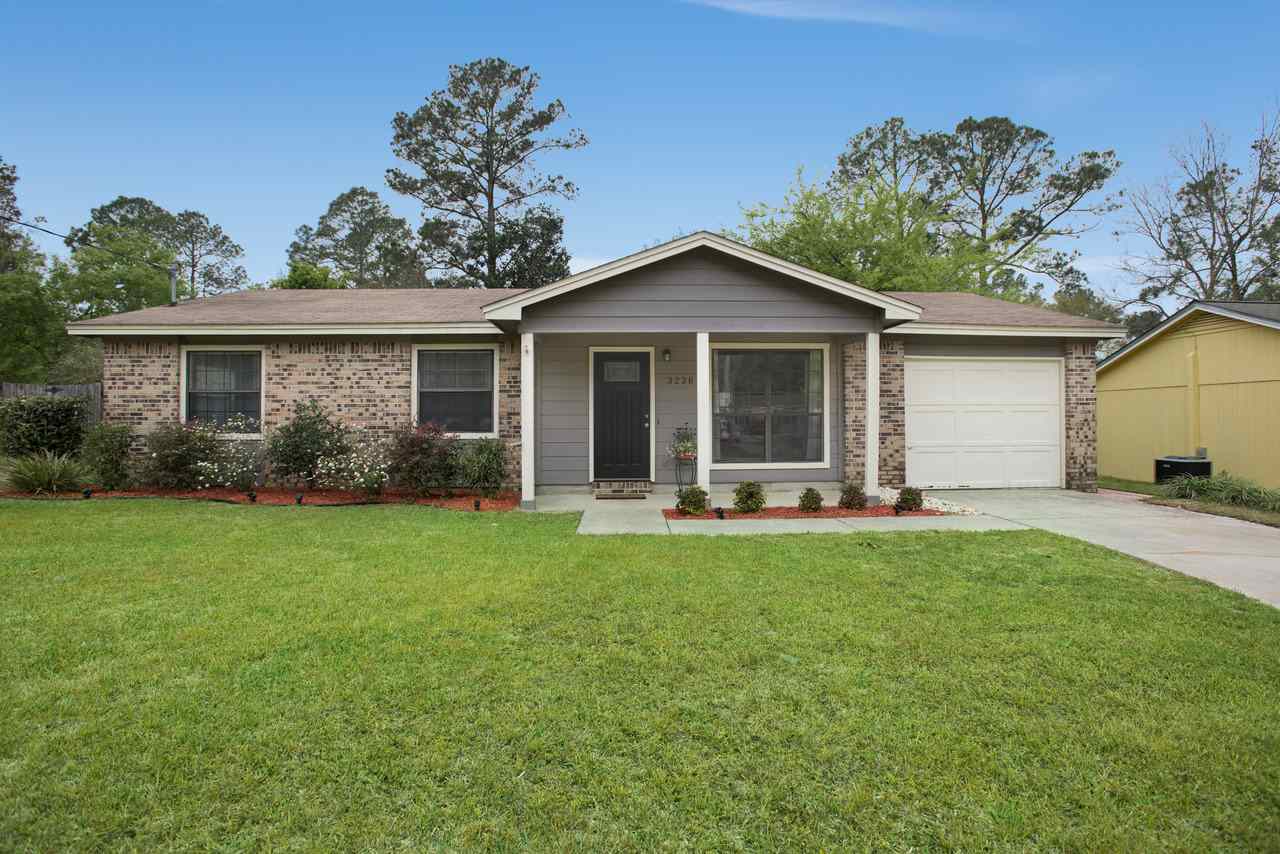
{"x": 768, "y": 406}
{"x": 224, "y": 383}
{"x": 456, "y": 389}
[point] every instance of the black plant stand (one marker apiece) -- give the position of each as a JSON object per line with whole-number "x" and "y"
{"x": 686, "y": 472}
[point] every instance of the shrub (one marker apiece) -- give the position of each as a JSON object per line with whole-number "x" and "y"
{"x": 423, "y": 459}
{"x": 47, "y": 472}
{"x": 29, "y": 425}
{"x": 748, "y": 497}
{"x": 1223, "y": 488}
{"x": 910, "y": 499}
{"x": 810, "y": 500}
{"x": 236, "y": 464}
{"x": 176, "y": 454}
{"x": 363, "y": 468}
{"x": 853, "y": 496}
{"x": 692, "y": 500}
{"x": 482, "y": 465}
{"x": 294, "y": 449}
{"x": 106, "y": 453}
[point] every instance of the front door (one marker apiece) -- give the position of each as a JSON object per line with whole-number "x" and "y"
{"x": 620, "y": 415}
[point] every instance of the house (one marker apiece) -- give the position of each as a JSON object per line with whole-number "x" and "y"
{"x": 1208, "y": 377}
{"x": 786, "y": 374}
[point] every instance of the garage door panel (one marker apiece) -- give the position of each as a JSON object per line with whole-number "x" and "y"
{"x": 983, "y": 423}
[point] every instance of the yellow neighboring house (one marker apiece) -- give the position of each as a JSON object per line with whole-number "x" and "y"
{"x": 1208, "y": 377}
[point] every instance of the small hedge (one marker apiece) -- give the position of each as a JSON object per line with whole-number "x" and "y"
{"x": 910, "y": 499}
{"x": 692, "y": 500}
{"x": 853, "y": 496}
{"x": 423, "y": 459}
{"x": 177, "y": 454}
{"x": 31, "y": 425}
{"x": 482, "y": 465}
{"x": 47, "y": 473}
{"x": 810, "y": 500}
{"x": 1223, "y": 488}
{"x": 106, "y": 453}
{"x": 748, "y": 497}
{"x": 295, "y": 449}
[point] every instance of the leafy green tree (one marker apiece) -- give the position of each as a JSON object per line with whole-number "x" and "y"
{"x": 1008, "y": 193}
{"x": 474, "y": 146}
{"x": 114, "y": 269}
{"x": 206, "y": 256}
{"x": 31, "y": 321}
{"x": 309, "y": 277}
{"x": 1077, "y": 299}
{"x": 864, "y": 233}
{"x": 530, "y": 249}
{"x": 363, "y": 241}
{"x": 10, "y": 233}
{"x": 1213, "y": 232}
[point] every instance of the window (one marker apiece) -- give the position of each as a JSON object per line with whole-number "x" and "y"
{"x": 768, "y": 406}
{"x": 223, "y": 383}
{"x": 456, "y": 389}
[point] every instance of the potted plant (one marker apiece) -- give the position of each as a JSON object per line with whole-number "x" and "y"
{"x": 684, "y": 443}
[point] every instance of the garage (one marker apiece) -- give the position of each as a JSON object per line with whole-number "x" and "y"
{"x": 983, "y": 423}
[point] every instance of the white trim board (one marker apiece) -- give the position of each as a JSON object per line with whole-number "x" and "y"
{"x": 1013, "y": 331}
{"x": 184, "y": 349}
{"x": 133, "y": 330}
{"x": 591, "y": 407}
{"x": 511, "y": 308}
{"x": 479, "y": 345}
{"x": 1062, "y": 401}
{"x": 825, "y": 347}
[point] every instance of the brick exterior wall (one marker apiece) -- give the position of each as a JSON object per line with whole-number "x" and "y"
{"x": 893, "y": 412}
{"x": 854, "y": 387}
{"x": 1079, "y": 365}
{"x": 140, "y": 383}
{"x": 366, "y": 382}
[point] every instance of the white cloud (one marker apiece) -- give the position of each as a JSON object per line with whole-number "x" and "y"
{"x": 887, "y": 13}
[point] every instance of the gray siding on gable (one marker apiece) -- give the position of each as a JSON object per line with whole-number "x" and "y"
{"x": 562, "y": 388}
{"x": 979, "y": 346}
{"x": 701, "y": 291}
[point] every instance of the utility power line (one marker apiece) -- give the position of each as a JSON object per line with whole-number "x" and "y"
{"x": 86, "y": 241}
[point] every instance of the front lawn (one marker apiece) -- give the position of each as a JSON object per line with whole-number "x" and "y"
{"x": 200, "y": 675}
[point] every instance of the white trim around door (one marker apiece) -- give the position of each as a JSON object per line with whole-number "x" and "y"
{"x": 591, "y": 407}
{"x": 826, "y": 401}
{"x": 1059, "y": 361}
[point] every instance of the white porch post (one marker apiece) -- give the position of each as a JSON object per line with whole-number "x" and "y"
{"x": 872, "y": 427}
{"x": 527, "y": 422}
{"x": 703, "y": 370}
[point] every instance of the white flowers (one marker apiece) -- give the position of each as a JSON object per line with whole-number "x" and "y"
{"x": 362, "y": 469}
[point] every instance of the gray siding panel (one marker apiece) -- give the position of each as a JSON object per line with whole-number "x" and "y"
{"x": 701, "y": 291}
{"x": 980, "y": 346}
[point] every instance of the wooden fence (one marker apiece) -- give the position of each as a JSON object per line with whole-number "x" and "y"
{"x": 92, "y": 392}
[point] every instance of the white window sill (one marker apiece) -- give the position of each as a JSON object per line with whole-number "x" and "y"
{"x": 746, "y": 466}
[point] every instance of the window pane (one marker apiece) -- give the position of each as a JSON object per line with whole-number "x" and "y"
{"x": 768, "y": 406}
{"x": 223, "y": 384}
{"x": 455, "y": 389}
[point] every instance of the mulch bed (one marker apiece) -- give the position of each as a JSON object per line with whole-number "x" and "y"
{"x": 459, "y": 500}
{"x": 797, "y": 513}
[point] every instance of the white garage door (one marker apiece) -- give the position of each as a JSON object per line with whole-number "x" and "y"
{"x": 983, "y": 423}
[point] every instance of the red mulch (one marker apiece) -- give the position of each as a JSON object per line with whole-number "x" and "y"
{"x": 460, "y": 500}
{"x": 797, "y": 513}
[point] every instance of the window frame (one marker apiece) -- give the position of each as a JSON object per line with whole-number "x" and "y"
{"x": 825, "y": 349}
{"x": 479, "y": 345}
{"x": 184, "y": 371}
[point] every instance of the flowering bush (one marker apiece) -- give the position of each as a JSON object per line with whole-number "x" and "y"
{"x": 296, "y": 448}
{"x": 423, "y": 460}
{"x": 363, "y": 468}
{"x": 177, "y": 452}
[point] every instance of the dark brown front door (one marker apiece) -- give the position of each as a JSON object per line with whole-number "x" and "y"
{"x": 621, "y": 415}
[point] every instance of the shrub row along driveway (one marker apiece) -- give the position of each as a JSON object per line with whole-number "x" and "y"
{"x": 1240, "y": 555}
{"x": 192, "y": 675}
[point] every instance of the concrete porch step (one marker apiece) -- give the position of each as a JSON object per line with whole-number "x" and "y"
{"x": 622, "y": 489}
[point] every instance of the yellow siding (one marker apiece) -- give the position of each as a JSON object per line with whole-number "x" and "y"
{"x": 1147, "y": 400}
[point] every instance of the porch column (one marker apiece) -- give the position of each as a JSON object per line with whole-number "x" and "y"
{"x": 527, "y": 422}
{"x": 703, "y": 371}
{"x": 872, "y": 430}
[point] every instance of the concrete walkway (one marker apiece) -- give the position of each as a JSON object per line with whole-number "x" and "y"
{"x": 1242, "y": 556}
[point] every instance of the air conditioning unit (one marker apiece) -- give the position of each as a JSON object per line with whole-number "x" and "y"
{"x": 1167, "y": 467}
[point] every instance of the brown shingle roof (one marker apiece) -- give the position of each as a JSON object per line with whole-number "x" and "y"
{"x": 465, "y": 305}
{"x": 973, "y": 309}
{"x": 282, "y": 307}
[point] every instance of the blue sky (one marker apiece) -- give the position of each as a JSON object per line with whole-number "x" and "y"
{"x": 260, "y": 115}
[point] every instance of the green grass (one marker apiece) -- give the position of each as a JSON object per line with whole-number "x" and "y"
{"x": 183, "y": 675}
{"x": 1129, "y": 485}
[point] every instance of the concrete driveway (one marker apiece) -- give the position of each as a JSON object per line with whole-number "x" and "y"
{"x": 1238, "y": 555}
